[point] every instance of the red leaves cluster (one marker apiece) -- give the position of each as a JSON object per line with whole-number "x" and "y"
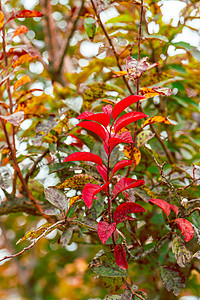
{"x": 184, "y": 225}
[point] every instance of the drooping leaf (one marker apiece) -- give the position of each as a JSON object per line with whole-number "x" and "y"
{"x": 122, "y": 164}
{"x": 1, "y": 19}
{"x": 21, "y": 29}
{"x": 128, "y": 119}
{"x": 105, "y": 230}
{"x": 101, "y": 118}
{"x": 135, "y": 69}
{"x": 56, "y": 197}
{"x": 90, "y": 27}
{"x": 87, "y": 223}
{"x": 14, "y": 118}
{"x": 186, "y": 228}
{"x": 84, "y": 156}
{"x": 5, "y": 177}
{"x": 66, "y": 236}
{"x": 90, "y": 190}
{"x": 120, "y": 256}
{"x": 182, "y": 254}
{"x": 108, "y": 269}
{"x": 174, "y": 208}
{"x": 124, "y": 103}
{"x": 23, "y": 59}
{"x": 132, "y": 153}
{"x": 156, "y": 119}
{"x": 94, "y": 127}
{"x": 154, "y": 91}
{"x": 35, "y": 233}
{"x": 172, "y": 279}
{"x": 143, "y": 137}
{"x": 77, "y": 181}
{"x": 126, "y": 183}
{"x": 162, "y": 204}
{"x": 24, "y": 79}
{"x": 126, "y": 208}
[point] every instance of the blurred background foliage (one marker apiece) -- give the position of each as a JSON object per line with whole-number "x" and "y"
{"x": 75, "y": 74}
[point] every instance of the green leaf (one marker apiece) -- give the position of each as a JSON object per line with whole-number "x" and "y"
{"x": 182, "y": 254}
{"x": 143, "y": 137}
{"x": 172, "y": 279}
{"x": 157, "y": 36}
{"x": 90, "y": 27}
{"x": 112, "y": 297}
{"x": 56, "y": 197}
{"x": 109, "y": 269}
{"x": 87, "y": 223}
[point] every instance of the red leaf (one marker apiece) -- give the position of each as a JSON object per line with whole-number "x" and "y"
{"x": 162, "y": 204}
{"x": 105, "y": 230}
{"x": 186, "y": 228}
{"x": 90, "y": 190}
{"x": 124, "y": 137}
{"x": 102, "y": 171}
{"x": 120, "y": 256}
{"x": 101, "y": 118}
{"x": 27, "y": 14}
{"x": 107, "y": 110}
{"x": 120, "y": 106}
{"x": 94, "y": 127}
{"x": 84, "y": 156}
{"x": 127, "y": 119}
{"x": 126, "y": 208}
{"x": 174, "y": 208}
{"x": 122, "y": 164}
{"x": 126, "y": 183}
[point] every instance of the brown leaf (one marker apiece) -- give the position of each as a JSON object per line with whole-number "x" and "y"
{"x": 135, "y": 69}
{"x": 14, "y": 118}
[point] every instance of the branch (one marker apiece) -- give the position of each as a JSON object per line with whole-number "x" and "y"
{"x": 66, "y": 45}
{"x": 34, "y": 242}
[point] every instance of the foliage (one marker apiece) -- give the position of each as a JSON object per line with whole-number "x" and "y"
{"x": 99, "y": 151}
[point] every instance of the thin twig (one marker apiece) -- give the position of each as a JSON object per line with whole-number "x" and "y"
{"x": 34, "y": 242}
{"x": 66, "y": 46}
{"x": 164, "y": 178}
{"x": 32, "y": 170}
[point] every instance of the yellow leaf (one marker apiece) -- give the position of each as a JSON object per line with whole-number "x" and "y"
{"x": 119, "y": 73}
{"x": 148, "y": 92}
{"x": 34, "y": 234}
{"x": 132, "y": 153}
{"x": 1, "y": 19}
{"x": 156, "y": 119}
{"x": 77, "y": 181}
{"x": 22, "y": 59}
{"x": 24, "y": 79}
{"x": 74, "y": 199}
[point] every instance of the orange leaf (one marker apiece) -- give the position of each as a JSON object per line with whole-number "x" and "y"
{"x": 119, "y": 73}
{"x": 154, "y": 91}
{"x": 1, "y": 19}
{"x": 21, "y": 29}
{"x": 26, "y": 13}
{"x": 22, "y": 59}
{"x": 132, "y": 153}
{"x": 156, "y": 119}
{"x": 24, "y": 79}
